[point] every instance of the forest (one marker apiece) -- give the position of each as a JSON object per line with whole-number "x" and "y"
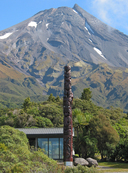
{"x": 98, "y": 131}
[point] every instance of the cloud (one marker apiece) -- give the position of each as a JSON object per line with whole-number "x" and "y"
{"x": 112, "y": 12}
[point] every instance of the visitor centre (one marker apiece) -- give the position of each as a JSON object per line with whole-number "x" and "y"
{"x": 48, "y": 139}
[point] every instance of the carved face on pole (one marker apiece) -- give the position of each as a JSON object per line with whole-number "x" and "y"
{"x": 68, "y": 127}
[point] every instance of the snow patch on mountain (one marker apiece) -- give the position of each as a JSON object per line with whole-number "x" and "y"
{"x": 99, "y": 52}
{"x": 87, "y": 30}
{"x": 32, "y": 24}
{"x": 75, "y": 11}
{"x": 90, "y": 40}
{"x": 88, "y": 27}
{"x": 6, "y": 35}
{"x": 47, "y": 25}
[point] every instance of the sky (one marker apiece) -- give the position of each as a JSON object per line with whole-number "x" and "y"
{"x": 111, "y": 12}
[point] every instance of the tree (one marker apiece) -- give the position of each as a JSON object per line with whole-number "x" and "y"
{"x": 53, "y": 112}
{"x": 84, "y": 144}
{"x": 86, "y": 94}
{"x": 24, "y": 120}
{"x": 57, "y": 99}
{"x": 51, "y": 98}
{"x": 80, "y": 119}
{"x": 79, "y": 122}
{"x": 43, "y": 122}
{"x": 8, "y": 119}
{"x": 85, "y": 106}
{"x": 120, "y": 153}
{"x": 33, "y": 111}
{"x": 26, "y": 103}
{"x": 106, "y": 135}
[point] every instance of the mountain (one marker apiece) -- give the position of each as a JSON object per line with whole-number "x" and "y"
{"x": 42, "y": 45}
{"x": 15, "y": 86}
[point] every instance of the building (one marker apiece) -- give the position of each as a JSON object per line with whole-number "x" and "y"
{"x": 49, "y": 139}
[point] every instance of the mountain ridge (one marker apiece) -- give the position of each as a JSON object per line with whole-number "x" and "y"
{"x": 42, "y": 45}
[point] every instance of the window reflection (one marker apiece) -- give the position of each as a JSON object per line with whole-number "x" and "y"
{"x": 43, "y": 143}
{"x": 54, "y": 148}
{"x": 61, "y": 148}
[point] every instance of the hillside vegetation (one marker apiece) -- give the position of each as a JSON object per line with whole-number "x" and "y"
{"x": 97, "y": 130}
{"x": 108, "y": 85}
{"x": 15, "y": 87}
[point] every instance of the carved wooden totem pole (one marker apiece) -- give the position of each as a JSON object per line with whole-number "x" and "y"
{"x": 68, "y": 127}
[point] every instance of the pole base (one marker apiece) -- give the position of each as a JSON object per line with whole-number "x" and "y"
{"x": 68, "y": 163}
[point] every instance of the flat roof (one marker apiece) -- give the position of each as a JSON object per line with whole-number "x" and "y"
{"x": 41, "y": 131}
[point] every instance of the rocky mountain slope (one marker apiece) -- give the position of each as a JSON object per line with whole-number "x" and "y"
{"x": 42, "y": 45}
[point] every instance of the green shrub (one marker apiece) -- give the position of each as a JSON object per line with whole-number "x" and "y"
{"x": 16, "y": 157}
{"x": 80, "y": 169}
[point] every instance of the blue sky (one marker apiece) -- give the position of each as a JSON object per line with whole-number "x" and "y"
{"x": 111, "y": 12}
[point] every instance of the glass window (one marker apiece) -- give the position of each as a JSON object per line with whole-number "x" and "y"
{"x": 61, "y": 148}
{"x": 54, "y": 148}
{"x": 43, "y": 143}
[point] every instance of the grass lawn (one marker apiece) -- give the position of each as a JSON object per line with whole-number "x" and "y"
{"x": 114, "y": 166}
